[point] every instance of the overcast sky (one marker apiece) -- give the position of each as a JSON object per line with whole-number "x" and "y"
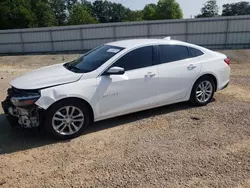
{"x": 189, "y": 7}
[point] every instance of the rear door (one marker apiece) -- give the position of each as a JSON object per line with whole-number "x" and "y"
{"x": 136, "y": 89}
{"x": 177, "y": 72}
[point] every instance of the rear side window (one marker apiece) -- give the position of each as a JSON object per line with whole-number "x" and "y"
{"x": 195, "y": 52}
{"x": 136, "y": 59}
{"x": 170, "y": 53}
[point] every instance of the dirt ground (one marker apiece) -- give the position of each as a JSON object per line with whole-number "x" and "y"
{"x": 171, "y": 146}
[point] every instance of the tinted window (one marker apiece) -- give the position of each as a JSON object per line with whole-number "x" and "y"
{"x": 94, "y": 59}
{"x": 170, "y": 53}
{"x": 139, "y": 58}
{"x": 195, "y": 52}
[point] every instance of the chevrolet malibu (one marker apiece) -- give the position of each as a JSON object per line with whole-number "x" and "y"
{"x": 115, "y": 79}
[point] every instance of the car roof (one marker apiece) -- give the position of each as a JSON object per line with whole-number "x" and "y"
{"x": 132, "y": 43}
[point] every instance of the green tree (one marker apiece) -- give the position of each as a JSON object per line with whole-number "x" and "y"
{"x": 59, "y": 9}
{"x": 16, "y": 14}
{"x": 168, "y": 9}
{"x": 102, "y": 11}
{"x": 149, "y": 12}
{"x": 4, "y": 13}
{"x": 88, "y": 6}
{"x": 70, "y": 3}
{"x": 210, "y": 9}
{"x": 79, "y": 14}
{"x": 43, "y": 12}
{"x": 236, "y": 9}
{"x": 118, "y": 12}
{"x": 133, "y": 16}
{"x": 106, "y": 11}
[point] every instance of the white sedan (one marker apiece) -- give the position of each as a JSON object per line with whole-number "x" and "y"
{"x": 112, "y": 80}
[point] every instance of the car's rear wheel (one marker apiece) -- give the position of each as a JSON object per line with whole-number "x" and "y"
{"x": 203, "y": 91}
{"x": 67, "y": 119}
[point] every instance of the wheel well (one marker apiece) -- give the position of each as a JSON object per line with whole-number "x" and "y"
{"x": 80, "y": 101}
{"x": 212, "y": 77}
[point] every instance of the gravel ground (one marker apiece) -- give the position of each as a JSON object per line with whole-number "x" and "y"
{"x": 171, "y": 146}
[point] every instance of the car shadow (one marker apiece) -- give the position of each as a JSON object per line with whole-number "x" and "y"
{"x": 13, "y": 139}
{"x": 117, "y": 121}
{"x": 18, "y": 139}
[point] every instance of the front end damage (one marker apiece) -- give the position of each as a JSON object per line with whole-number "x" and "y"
{"x": 21, "y": 109}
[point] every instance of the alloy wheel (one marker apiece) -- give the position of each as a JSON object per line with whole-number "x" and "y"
{"x": 204, "y": 91}
{"x": 68, "y": 120}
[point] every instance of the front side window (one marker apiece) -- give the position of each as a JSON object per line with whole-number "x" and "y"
{"x": 170, "y": 53}
{"x": 136, "y": 59}
{"x": 93, "y": 59}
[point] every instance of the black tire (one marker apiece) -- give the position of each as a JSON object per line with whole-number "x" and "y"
{"x": 67, "y": 102}
{"x": 13, "y": 121}
{"x": 193, "y": 98}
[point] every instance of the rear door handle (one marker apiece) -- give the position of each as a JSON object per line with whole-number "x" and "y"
{"x": 191, "y": 67}
{"x": 150, "y": 74}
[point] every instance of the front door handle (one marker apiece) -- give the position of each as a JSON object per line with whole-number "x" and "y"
{"x": 191, "y": 67}
{"x": 150, "y": 74}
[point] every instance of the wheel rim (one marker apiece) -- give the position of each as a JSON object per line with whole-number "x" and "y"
{"x": 68, "y": 120}
{"x": 204, "y": 91}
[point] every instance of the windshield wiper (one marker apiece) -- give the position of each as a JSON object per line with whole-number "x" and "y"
{"x": 71, "y": 67}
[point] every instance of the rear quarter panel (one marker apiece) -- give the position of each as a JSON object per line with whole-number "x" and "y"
{"x": 213, "y": 63}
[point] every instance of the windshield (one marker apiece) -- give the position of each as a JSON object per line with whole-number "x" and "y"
{"x": 93, "y": 59}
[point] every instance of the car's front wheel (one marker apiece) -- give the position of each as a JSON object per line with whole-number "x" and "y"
{"x": 67, "y": 119}
{"x": 203, "y": 91}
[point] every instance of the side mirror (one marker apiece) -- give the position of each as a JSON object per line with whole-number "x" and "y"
{"x": 114, "y": 71}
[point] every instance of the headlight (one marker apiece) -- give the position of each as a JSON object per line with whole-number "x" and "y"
{"x": 25, "y": 100}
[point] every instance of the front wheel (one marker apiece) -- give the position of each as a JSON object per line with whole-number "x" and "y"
{"x": 203, "y": 91}
{"x": 67, "y": 119}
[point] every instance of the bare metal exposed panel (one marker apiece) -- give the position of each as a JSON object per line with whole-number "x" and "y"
{"x": 36, "y": 37}
{"x": 40, "y": 47}
{"x": 221, "y": 32}
{"x": 98, "y": 33}
{"x": 10, "y": 38}
{"x": 67, "y": 46}
{"x": 135, "y": 30}
{"x": 66, "y": 35}
{"x": 167, "y": 29}
{"x": 207, "y": 39}
{"x": 239, "y": 38}
{"x": 239, "y": 25}
{"x": 129, "y": 38}
{"x": 89, "y": 44}
{"x": 207, "y": 27}
{"x": 10, "y": 48}
{"x": 179, "y": 37}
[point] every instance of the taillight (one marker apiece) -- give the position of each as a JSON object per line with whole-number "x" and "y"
{"x": 227, "y": 61}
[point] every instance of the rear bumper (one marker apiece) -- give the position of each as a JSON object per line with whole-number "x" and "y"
{"x": 225, "y": 86}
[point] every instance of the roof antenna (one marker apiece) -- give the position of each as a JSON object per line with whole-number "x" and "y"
{"x": 167, "y": 38}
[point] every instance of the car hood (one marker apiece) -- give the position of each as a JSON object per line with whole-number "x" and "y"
{"x": 45, "y": 77}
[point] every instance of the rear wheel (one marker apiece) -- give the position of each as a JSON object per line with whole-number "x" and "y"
{"x": 203, "y": 91}
{"x": 67, "y": 119}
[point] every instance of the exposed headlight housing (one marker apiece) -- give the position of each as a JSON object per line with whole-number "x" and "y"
{"x": 25, "y": 98}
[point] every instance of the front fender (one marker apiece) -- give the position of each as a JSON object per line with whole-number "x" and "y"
{"x": 83, "y": 89}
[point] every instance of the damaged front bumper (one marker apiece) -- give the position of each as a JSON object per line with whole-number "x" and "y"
{"x": 28, "y": 115}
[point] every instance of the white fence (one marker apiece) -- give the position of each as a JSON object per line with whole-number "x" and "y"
{"x": 215, "y": 33}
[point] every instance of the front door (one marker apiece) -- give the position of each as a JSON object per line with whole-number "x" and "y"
{"x": 136, "y": 89}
